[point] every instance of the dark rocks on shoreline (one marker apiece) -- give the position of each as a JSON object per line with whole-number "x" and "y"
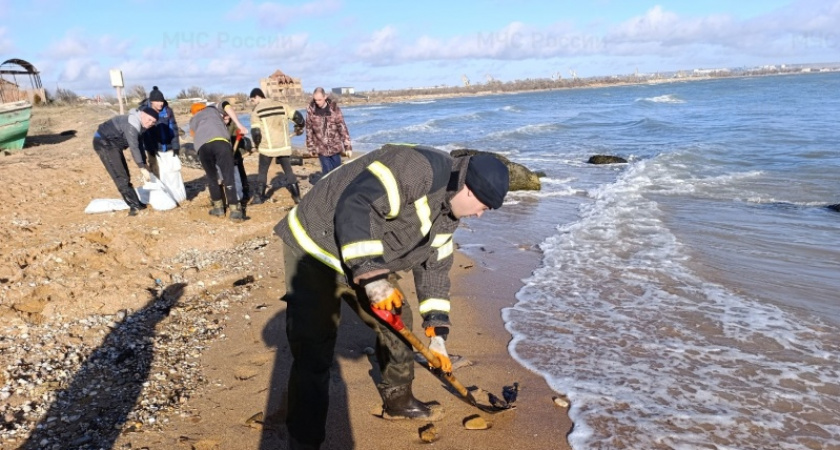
{"x": 606, "y": 159}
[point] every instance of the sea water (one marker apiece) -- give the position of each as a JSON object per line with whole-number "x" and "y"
{"x": 689, "y": 298}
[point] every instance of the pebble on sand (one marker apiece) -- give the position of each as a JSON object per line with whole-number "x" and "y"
{"x": 428, "y": 433}
{"x": 476, "y": 422}
{"x": 561, "y": 401}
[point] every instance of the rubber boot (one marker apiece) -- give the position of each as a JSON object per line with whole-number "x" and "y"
{"x": 218, "y": 208}
{"x": 294, "y": 189}
{"x": 259, "y": 195}
{"x": 246, "y": 195}
{"x": 237, "y": 214}
{"x": 135, "y": 209}
{"x": 399, "y": 403}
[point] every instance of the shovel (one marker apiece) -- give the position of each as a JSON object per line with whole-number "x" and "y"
{"x": 489, "y": 403}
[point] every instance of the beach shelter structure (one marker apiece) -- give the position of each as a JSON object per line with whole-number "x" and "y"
{"x": 20, "y": 80}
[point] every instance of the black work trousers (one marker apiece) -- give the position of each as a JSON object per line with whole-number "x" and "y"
{"x": 219, "y": 153}
{"x": 313, "y": 297}
{"x": 239, "y": 162}
{"x": 284, "y": 161}
{"x": 113, "y": 159}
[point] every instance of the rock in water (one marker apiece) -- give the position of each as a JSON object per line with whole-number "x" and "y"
{"x": 834, "y": 207}
{"x": 521, "y": 178}
{"x": 606, "y": 159}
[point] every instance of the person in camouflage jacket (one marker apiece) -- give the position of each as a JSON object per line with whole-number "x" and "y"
{"x": 326, "y": 132}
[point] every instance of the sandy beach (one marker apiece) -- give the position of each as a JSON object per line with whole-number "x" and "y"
{"x": 75, "y": 284}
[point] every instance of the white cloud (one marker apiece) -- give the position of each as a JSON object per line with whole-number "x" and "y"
{"x": 81, "y": 72}
{"x": 807, "y": 27}
{"x": 805, "y": 24}
{"x": 515, "y": 41}
{"x": 78, "y": 44}
{"x": 380, "y": 47}
{"x": 73, "y": 45}
{"x": 112, "y": 46}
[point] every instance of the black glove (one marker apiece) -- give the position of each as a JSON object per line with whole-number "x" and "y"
{"x": 298, "y": 119}
{"x": 257, "y": 135}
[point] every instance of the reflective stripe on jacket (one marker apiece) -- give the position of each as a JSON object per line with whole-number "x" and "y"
{"x": 272, "y": 119}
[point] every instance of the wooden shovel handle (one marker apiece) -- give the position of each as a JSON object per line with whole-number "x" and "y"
{"x": 397, "y": 324}
{"x": 434, "y": 361}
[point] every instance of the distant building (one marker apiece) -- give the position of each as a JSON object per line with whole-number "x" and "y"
{"x": 343, "y": 90}
{"x": 710, "y": 71}
{"x": 279, "y": 86}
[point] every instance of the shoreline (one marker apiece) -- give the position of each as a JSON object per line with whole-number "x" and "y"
{"x": 401, "y": 98}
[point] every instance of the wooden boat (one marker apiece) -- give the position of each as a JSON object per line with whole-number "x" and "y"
{"x": 14, "y": 124}
{"x": 16, "y": 101}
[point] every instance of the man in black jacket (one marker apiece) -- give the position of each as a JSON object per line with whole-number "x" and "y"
{"x": 390, "y": 210}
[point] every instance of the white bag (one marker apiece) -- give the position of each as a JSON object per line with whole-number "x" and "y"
{"x": 170, "y": 175}
{"x": 101, "y": 205}
{"x": 154, "y": 193}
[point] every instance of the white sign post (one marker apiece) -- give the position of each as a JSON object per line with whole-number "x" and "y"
{"x": 117, "y": 82}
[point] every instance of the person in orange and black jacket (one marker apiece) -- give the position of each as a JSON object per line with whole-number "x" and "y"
{"x": 326, "y": 132}
{"x": 212, "y": 140}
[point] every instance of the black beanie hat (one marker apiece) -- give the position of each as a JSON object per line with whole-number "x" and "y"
{"x": 489, "y": 179}
{"x": 151, "y": 112}
{"x": 156, "y": 95}
{"x": 256, "y": 92}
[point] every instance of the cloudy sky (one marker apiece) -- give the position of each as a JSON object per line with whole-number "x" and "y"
{"x": 382, "y": 45}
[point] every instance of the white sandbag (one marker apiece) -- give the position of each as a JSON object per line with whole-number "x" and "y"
{"x": 154, "y": 193}
{"x": 170, "y": 175}
{"x": 101, "y": 205}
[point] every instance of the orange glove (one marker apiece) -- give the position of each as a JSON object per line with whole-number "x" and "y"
{"x": 383, "y": 295}
{"x": 438, "y": 346}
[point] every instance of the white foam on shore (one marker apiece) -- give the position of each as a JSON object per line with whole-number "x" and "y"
{"x": 652, "y": 355}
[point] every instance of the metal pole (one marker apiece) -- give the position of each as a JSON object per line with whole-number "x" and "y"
{"x": 120, "y": 99}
